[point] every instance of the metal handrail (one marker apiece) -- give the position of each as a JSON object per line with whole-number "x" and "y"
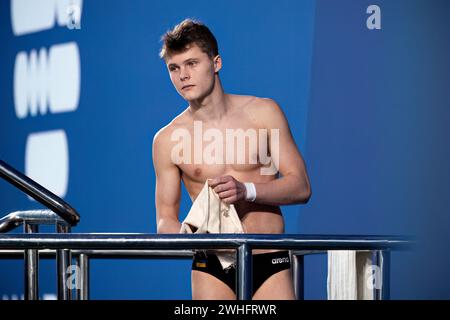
{"x": 39, "y": 193}
{"x": 17, "y": 218}
{"x": 169, "y": 245}
{"x": 104, "y": 254}
{"x": 126, "y": 254}
{"x": 140, "y": 241}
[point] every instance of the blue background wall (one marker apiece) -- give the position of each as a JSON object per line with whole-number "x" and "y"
{"x": 377, "y": 136}
{"x": 368, "y": 109}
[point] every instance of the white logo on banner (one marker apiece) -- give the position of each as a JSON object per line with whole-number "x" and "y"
{"x": 374, "y": 20}
{"x": 28, "y": 16}
{"x": 46, "y": 81}
{"x": 47, "y": 160}
{"x": 43, "y": 80}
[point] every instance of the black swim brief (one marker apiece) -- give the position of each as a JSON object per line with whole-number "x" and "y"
{"x": 264, "y": 266}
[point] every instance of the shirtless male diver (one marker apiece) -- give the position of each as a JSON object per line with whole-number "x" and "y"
{"x": 191, "y": 54}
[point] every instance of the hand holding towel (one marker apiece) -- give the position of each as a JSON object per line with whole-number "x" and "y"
{"x": 209, "y": 214}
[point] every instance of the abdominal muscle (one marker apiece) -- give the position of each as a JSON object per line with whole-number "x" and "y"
{"x": 263, "y": 219}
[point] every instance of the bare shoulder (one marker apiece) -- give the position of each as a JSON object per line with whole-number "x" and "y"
{"x": 263, "y": 110}
{"x": 240, "y": 101}
{"x": 252, "y": 104}
{"x": 163, "y": 136}
{"x": 264, "y": 105}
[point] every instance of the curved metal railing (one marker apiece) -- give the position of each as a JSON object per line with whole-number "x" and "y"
{"x": 39, "y": 193}
{"x": 37, "y": 217}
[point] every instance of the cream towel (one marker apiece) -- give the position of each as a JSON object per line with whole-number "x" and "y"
{"x": 209, "y": 214}
{"x": 349, "y": 273}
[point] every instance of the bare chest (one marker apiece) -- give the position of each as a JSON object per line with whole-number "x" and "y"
{"x": 203, "y": 151}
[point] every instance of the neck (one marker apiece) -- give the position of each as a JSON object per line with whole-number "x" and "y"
{"x": 213, "y": 106}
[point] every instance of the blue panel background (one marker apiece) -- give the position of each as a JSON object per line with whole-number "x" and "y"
{"x": 377, "y": 137}
{"x": 125, "y": 98}
{"x": 368, "y": 109}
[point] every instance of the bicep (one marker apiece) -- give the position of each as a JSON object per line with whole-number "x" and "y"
{"x": 283, "y": 149}
{"x": 168, "y": 183}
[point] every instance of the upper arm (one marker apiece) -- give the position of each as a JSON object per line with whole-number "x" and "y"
{"x": 168, "y": 180}
{"x": 282, "y": 146}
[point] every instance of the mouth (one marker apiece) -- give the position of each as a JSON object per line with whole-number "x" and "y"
{"x": 187, "y": 86}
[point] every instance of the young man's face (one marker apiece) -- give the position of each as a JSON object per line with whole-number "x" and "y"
{"x": 192, "y": 72}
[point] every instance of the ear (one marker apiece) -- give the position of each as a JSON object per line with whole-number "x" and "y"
{"x": 217, "y": 63}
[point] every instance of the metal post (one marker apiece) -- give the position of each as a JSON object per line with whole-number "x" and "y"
{"x": 63, "y": 261}
{"x": 84, "y": 277}
{"x": 31, "y": 266}
{"x": 244, "y": 273}
{"x": 385, "y": 258}
{"x": 381, "y": 261}
{"x": 298, "y": 267}
{"x": 76, "y": 294}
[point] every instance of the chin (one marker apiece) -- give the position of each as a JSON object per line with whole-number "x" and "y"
{"x": 192, "y": 97}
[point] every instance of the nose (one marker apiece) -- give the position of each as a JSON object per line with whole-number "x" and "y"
{"x": 184, "y": 74}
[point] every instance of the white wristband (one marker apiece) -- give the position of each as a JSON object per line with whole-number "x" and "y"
{"x": 251, "y": 191}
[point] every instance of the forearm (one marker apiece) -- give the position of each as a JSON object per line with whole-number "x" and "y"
{"x": 289, "y": 189}
{"x": 168, "y": 225}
